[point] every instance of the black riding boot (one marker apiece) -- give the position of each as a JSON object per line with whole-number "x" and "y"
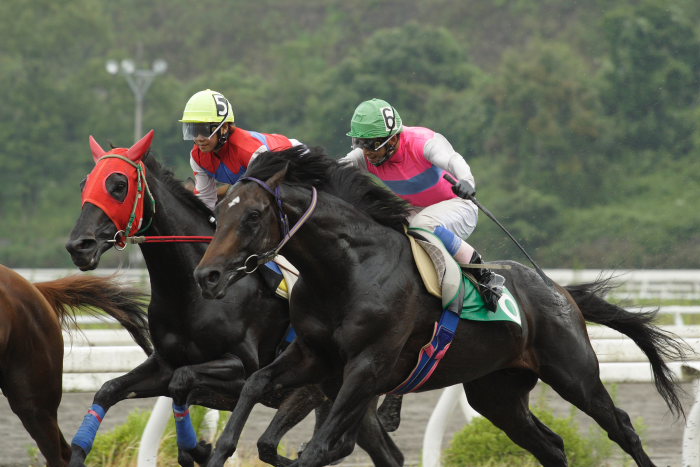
{"x": 490, "y": 283}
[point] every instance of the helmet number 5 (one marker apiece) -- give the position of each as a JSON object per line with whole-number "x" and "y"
{"x": 389, "y": 119}
{"x": 221, "y": 105}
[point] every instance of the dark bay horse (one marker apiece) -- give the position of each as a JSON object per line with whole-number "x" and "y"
{"x": 362, "y": 315}
{"x": 204, "y": 349}
{"x": 31, "y": 344}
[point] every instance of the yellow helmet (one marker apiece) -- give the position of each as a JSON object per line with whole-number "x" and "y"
{"x": 205, "y": 107}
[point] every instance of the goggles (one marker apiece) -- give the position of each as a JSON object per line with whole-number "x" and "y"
{"x": 371, "y": 144}
{"x": 191, "y": 130}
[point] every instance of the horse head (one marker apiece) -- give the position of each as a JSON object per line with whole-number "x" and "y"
{"x": 247, "y": 219}
{"x": 113, "y": 197}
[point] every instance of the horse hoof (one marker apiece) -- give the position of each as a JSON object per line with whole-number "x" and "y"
{"x": 201, "y": 453}
{"x": 184, "y": 459}
{"x": 77, "y": 458}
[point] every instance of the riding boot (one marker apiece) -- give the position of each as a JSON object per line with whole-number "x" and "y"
{"x": 490, "y": 284}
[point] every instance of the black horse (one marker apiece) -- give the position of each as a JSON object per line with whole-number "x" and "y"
{"x": 204, "y": 349}
{"x": 362, "y": 315}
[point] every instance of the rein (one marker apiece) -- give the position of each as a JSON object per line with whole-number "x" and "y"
{"x": 251, "y": 264}
{"x": 253, "y": 261}
{"x": 121, "y": 240}
{"x": 123, "y": 237}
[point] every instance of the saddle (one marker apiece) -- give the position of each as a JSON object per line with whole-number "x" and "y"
{"x": 441, "y": 274}
{"x": 444, "y": 278}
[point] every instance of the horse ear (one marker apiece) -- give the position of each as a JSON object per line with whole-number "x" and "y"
{"x": 96, "y": 149}
{"x": 141, "y": 147}
{"x": 277, "y": 178}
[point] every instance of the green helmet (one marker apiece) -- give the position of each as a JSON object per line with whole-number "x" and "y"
{"x": 375, "y": 118}
{"x": 207, "y": 107}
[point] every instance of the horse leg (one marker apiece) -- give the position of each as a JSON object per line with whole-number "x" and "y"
{"x": 389, "y": 412}
{"x": 502, "y": 397}
{"x": 336, "y": 437}
{"x": 374, "y": 439}
{"x": 149, "y": 379}
{"x": 295, "y": 366}
{"x": 372, "y": 436}
{"x": 33, "y": 390}
{"x": 222, "y": 376}
{"x": 578, "y": 381}
{"x": 293, "y": 410}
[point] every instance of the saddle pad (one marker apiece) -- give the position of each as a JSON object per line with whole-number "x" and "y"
{"x": 473, "y": 307}
{"x": 290, "y": 275}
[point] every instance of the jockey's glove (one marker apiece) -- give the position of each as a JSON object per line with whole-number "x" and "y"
{"x": 464, "y": 189}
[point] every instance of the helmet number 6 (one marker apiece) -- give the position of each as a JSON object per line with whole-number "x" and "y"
{"x": 389, "y": 119}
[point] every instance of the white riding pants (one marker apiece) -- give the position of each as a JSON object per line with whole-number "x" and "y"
{"x": 457, "y": 215}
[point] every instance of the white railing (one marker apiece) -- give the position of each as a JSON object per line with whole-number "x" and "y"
{"x": 663, "y": 284}
{"x": 634, "y": 283}
{"x": 677, "y": 311}
{"x": 621, "y": 361}
{"x": 648, "y": 284}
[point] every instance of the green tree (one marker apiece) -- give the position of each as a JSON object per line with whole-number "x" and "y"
{"x": 652, "y": 79}
{"x": 406, "y": 66}
{"x": 540, "y": 119}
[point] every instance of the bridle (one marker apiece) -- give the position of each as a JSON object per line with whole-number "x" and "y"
{"x": 253, "y": 261}
{"x": 123, "y": 237}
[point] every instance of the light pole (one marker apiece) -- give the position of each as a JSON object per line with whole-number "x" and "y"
{"x": 139, "y": 82}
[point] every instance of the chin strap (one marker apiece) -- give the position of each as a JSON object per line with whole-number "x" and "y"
{"x": 390, "y": 151}
{"x": 222, "y": 139}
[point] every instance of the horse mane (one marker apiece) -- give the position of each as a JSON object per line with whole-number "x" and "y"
{"x": 311, "y": 166}
{"x": 174, "y": 185}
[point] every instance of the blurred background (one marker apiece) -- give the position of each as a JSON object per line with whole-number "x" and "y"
{"x": 578, "y": 118}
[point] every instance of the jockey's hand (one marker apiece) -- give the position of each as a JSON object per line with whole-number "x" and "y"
{"x": 464, "y": 189}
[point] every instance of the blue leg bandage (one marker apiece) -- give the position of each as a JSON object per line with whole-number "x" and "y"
{"x": 88, "y": 430}
{"x": 451, "y": 241}
{"x": 186, "y": 436}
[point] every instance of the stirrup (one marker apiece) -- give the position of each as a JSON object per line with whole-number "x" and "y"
{"x": 491, "y": 292}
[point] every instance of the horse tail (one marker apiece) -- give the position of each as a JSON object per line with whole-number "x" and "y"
{"x": 123, "y": 303}
{"x": 655, "y": 342}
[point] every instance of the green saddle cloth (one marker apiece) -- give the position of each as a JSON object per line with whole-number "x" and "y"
{"x": 473, "y": 306}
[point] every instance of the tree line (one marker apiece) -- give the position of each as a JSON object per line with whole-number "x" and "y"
{"x": 578, "y": 118}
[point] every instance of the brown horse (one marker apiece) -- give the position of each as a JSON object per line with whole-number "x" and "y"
{"x": 31, "y": 344}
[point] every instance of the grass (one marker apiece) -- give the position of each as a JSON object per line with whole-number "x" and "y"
{"x": 481, "y": 444}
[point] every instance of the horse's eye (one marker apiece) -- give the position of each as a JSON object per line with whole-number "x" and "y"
{"x": 120, "y": 187}
{"x": 253, "y": 216}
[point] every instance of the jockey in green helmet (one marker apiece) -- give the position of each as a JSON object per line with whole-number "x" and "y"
{"x": 411, "y": 161}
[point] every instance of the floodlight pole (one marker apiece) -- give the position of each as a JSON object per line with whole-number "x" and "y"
{"x": 139, "y": 81}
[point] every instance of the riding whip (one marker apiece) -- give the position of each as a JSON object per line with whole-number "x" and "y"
{"x": 481, "y": 207}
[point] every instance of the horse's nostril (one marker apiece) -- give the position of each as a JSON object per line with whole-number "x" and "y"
{"x": 213, "y": 277}
{"x": 81, "y": 244}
